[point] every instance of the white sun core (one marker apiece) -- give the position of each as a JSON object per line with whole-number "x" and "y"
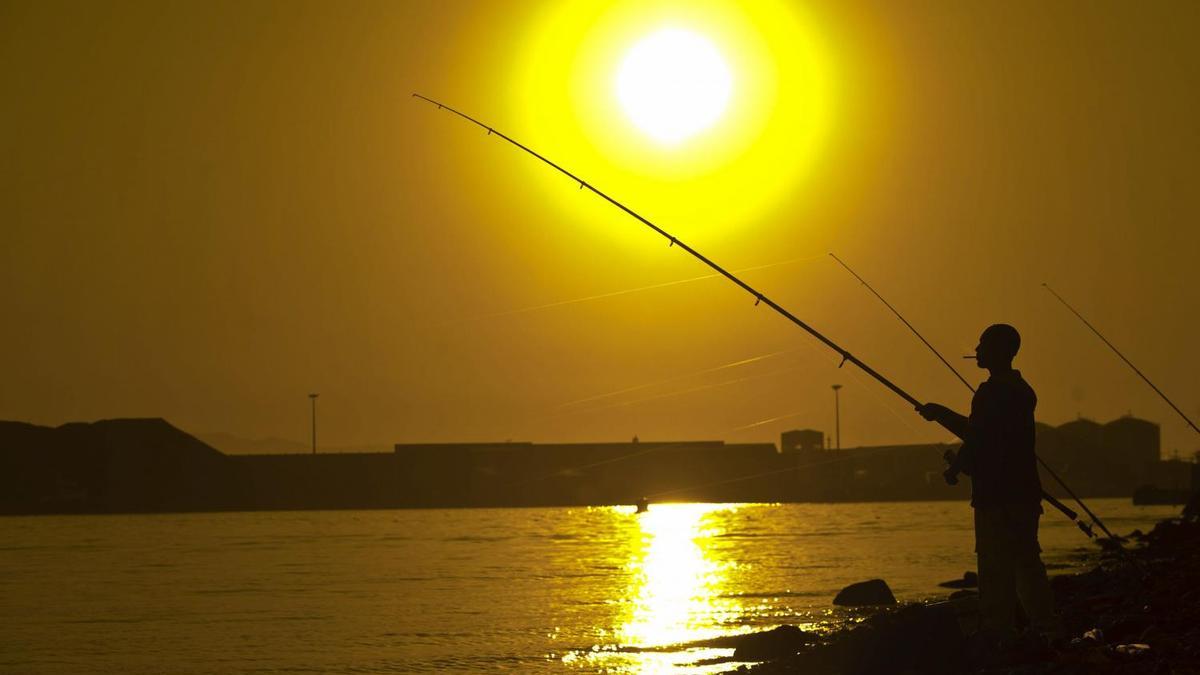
{"x": 673, "y": 84}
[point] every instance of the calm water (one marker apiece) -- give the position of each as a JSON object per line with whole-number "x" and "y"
{"x": 529, "y": 590}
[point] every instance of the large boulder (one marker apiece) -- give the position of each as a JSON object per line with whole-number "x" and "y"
{"x": 872, "y": 592}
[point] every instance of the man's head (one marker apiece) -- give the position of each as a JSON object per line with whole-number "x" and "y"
{"x": 997, "y": 346}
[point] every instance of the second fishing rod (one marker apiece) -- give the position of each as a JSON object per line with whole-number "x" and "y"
{"x": 759, "y": 297}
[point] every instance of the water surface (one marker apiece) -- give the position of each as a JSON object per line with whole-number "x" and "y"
{"x": 529, "y": 590}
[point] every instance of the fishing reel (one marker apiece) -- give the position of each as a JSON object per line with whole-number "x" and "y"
{"x": 952, "y": 468}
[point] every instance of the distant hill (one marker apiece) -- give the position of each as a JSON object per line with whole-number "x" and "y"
{"x": 119, "y": 465}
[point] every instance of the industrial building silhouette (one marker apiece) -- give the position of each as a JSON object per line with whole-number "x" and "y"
{"x": 147, "y": 465}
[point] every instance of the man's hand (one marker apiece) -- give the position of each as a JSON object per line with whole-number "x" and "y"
{"x": 934, "y": 412}
{"x": 952, "y": 421}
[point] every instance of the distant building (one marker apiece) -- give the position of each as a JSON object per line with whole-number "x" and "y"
{"x": 1096, "y": 459}
{"x": 880, "y": 473}
{"x": 148, "y": 465}
{"x": 596, "y": 473}
{"x": 801, "y": 440}
{"x": 1136, "y": 441}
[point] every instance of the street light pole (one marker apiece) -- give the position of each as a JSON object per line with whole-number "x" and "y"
{"x": 837, "y": 416}
{"x": 313, "y": 398}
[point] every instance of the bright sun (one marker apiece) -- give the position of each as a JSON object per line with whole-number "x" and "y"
{"x": 709, "y": 113}
{"x": 673, "y": 84}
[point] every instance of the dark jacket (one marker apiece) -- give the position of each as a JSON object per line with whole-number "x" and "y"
{"x": 999, "y": 443}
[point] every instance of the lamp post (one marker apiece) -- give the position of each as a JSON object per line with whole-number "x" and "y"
{"x": 313, "y": 398}
{"x": 837, "y": 417}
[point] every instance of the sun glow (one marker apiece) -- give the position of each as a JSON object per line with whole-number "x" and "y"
{"x": 674, "y": 84}
{"x": 700, "y": 115}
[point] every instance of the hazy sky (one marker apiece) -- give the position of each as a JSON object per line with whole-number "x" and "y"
{"x": 211, "y": 209}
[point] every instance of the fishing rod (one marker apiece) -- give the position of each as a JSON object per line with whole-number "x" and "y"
{"x": 759, "y": 297}
{"x": 905, "y": 322}
{"x": 1118, "y": 353}
{"x": 1079, "y": 523}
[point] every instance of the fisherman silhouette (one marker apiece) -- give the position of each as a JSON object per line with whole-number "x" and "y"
{"x": 998, "y": 454}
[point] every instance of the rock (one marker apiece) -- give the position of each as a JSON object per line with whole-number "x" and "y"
{"x": 1134, "y": 649}
{"x": 773, "y": 644}
{"x": 1151, "y": 635}
{"x": 1091, "y": 638}
{"x": 963, "y": 593}
{"x": 872, "y": 592}
{"x": 968, "y": 580}
{"x": 923, "y": 639}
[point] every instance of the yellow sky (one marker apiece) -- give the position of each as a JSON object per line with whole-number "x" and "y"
{"x": 211, "y": 209}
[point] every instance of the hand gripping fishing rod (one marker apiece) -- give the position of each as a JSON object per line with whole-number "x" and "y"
{"x": 1127, "y": 361}
{"x": 1087, "y": 529}
{"x": 759, "y": 298}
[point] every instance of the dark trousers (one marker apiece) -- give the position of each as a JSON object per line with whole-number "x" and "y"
{"x": 1011, "y": 570}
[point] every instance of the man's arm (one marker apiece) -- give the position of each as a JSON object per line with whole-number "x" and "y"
{"x": 953, "y": 422}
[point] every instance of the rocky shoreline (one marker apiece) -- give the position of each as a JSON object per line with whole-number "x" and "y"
{"x": 1137, "y": 611}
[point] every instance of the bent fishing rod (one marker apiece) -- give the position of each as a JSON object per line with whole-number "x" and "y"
{"x": 1118, "y": 353}
{"x": 759, "y": 297}
{"x": 1087, "y": 529}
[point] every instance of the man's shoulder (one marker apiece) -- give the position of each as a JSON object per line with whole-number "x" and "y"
{"x": 1020, "y": 384}
{"x": 1006, "y": 386}
{"x": 1010, "y": 380}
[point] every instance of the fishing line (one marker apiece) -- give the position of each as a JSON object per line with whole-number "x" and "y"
{"x": 628, "y": 291}
{"x": 683, "y": 392}
{"x": 769, "y": 420}
{"x": 906, "y": 323}
{"x": 713, "y": 369}
{"x": 649, "y": 449}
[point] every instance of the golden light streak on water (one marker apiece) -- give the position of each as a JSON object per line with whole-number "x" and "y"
{"x": 676, "y": 585}
{"x": 674, "y": 578}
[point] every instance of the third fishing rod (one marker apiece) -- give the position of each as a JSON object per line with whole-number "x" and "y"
{"x": 1082, "y": 525}
{"x": 759, "y": 298}
{"x": 1122, "y": 356}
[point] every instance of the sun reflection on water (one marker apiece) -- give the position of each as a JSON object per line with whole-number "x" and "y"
{"x": 677, "y": 590}
{"x": 676, "y": 586}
